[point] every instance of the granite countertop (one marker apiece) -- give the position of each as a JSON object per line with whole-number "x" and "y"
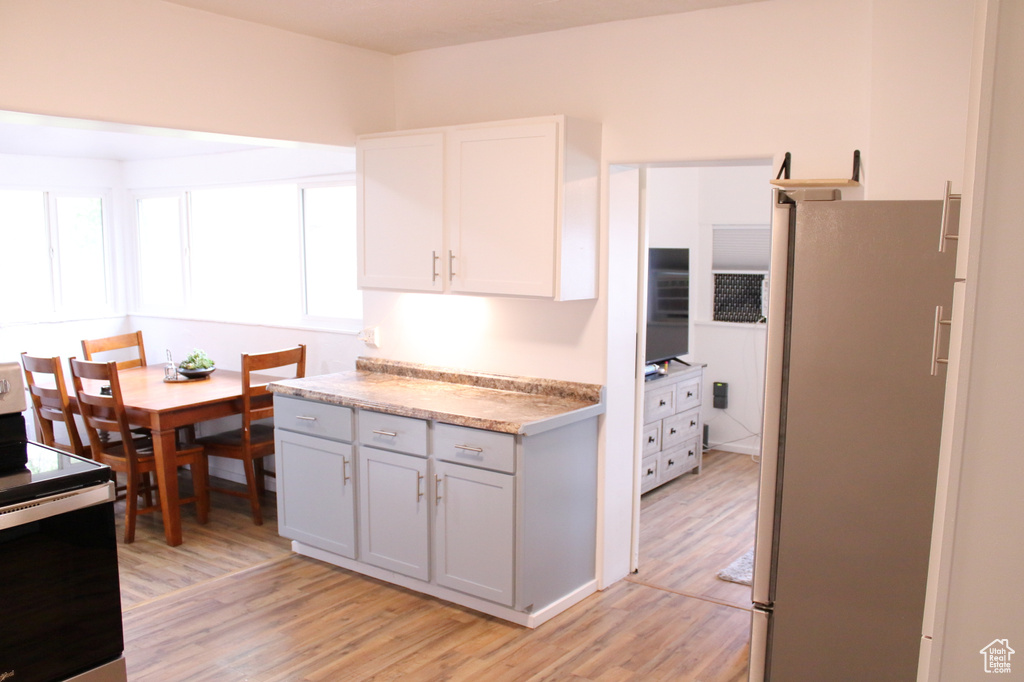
{"x": 493, "y": 402}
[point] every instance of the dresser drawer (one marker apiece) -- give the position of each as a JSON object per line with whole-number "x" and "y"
{"x": 313, "y": 418}
{"x": 679, "y": 460}
{"x": 652, "y": 438}
{"x": 391, "y": 432}
{"x": 648, "y": 473}
{"x": 680, "y": 427}
{"x": 659, "y": 403}
{"x": 475, "y": 447}
{"x": 688, "y": 394}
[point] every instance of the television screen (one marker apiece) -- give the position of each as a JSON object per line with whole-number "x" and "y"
{"x": 668, "y": 304}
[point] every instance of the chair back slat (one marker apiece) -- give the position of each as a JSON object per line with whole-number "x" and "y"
{"x": 257, "y": 401}
{"x": 51, "y": 403}
{"x": 113, "y": 343}
{"x": 104, "y": 413}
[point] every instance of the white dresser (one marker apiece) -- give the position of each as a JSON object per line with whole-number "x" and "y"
{"x": 673, "y": 429}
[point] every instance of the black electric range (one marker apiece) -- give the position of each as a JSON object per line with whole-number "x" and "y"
{"x": 48, "y": 472}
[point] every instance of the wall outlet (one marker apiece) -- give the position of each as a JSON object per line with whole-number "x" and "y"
{"x": 371, "y": 337}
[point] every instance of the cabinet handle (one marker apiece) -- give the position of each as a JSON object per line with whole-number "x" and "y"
{"x": 437, "y": 489}
{"x": 433, "y": 265}
{"x": 650, "y": 439}
{"x": 936, "y": 336}
{"x": 671, "y": 462}
{"x": 661, "y": 403}
{"x": 389, "y": 434}
{"x": 345, "y": 478}
{"x": 419, "y": 487}
{"x": 693, "y": 423}
{"x": 305, "y": 419}
{"x": 947, "y": 201}
{"x": 451, "y": 265}
{"x": 650, "y": 472}
{"x": 689, "y": 394}
{"x": 469, "y": 448}
{"x": 672, "y": 431}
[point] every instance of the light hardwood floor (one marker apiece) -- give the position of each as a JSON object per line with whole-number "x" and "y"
{"x": 232, "y": 603}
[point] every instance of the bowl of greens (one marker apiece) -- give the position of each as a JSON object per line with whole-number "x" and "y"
{"x": 197, "y": 365}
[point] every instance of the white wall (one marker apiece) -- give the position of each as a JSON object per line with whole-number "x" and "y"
{"x": 155, "y": 63}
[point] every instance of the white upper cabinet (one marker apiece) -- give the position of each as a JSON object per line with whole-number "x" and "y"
{"x": 507, "y": 208}
{"x": 400, "y": 190}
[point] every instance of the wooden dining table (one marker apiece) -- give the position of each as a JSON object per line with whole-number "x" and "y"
{"x": 163, "y": 407}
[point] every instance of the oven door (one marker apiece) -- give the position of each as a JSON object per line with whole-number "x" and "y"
{"x": 59, "y": 586}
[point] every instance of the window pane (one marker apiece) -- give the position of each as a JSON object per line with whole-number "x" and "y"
{"x": 161, "y": 255}
{"x": 24, "y": 233}
{"x": 245, "y": 252}
{"x": 329, "y": 231}
{"x": 82, "y": 263}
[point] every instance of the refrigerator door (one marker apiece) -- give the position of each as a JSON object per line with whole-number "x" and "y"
{"x": 859, "y": 417}
{"x": 778, "y": 293}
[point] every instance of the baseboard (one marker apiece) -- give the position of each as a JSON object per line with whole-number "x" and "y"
{"x": 738, "y": 448}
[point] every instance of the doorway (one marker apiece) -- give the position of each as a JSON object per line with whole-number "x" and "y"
{"x": 688, "y": 529}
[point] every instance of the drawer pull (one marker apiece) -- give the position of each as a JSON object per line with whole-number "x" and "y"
{"x": 305, "y": 418}
{"x": 437, "y": 489}
{"x": 650, "y": 439}
{"x": 672, "y": 431}
{"x": 689, "y": 394}
{"x": 345, "y": 478}
{"x": 650, "y": 472}
{"x": 671, "y": 462}
{"x": 661, "y": 403}
{"x": 469, "y": 448}
{"x": 389, "y": 434}
{"x": 693, "y": 422}
{"x": 419, "y": 486}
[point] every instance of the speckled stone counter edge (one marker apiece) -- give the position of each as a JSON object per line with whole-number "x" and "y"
{"x": 529, "y": 385}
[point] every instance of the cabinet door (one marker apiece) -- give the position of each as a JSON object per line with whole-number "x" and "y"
{"x": 474, "y": 541}
{"x": 393, "y": 506}
{"x": 316, "y": 492}
{"x": 503, "y": 209}
{"x": 400, "y": 212}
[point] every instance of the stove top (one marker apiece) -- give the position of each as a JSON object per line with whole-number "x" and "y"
{"x": 49, "y": 472}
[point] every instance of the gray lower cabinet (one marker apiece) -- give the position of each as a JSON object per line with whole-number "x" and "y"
{"x": 508, "y": 521}
{"x": 316, "y": 488}
{"x": 394, "y": 521}
{"x": 474, "y": 531}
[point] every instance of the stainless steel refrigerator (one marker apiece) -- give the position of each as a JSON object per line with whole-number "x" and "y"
{"x": 853, "y": 410}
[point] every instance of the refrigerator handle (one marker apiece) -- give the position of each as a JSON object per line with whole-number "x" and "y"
{"x": 936, "y": 340}
{"x": 950, "y": 217}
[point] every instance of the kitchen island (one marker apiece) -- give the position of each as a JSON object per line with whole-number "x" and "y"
{"x": 480, "y": 489}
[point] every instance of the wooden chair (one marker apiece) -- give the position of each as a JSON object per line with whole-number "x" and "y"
{"x": 254, "y": 441}
{"x": 51, "y": 404}
{"x": 130, "y": 455}
{"x": 111, "y": 343}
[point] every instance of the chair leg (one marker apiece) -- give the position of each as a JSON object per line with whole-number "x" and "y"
{"x": 261, "y": 481}
{"x": 147, "y": 487}
{"x": 201, "y": 485}
{"x": 254, "y": 498}
{"x": 131, "y": 509}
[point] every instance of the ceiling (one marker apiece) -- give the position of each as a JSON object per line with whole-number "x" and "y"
{"x": 400, "y": 26}
{"x": 390, "y": 26}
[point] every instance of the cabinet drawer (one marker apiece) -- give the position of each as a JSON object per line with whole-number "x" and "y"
{"x": 680, "y": 427}
{"x": 652, "y": 438}
{"x": 316, "y": 419}
{"x": 679, "y": 460}
{"x": 659, "y": 403}
{"x": 688, "y": 394}
{"x": 475, "y": 447}
{"x": 648, "y": 473}
{"x": 391, "y": 432}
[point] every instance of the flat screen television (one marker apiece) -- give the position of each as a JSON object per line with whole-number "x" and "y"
{"x": 668, "y": 304}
